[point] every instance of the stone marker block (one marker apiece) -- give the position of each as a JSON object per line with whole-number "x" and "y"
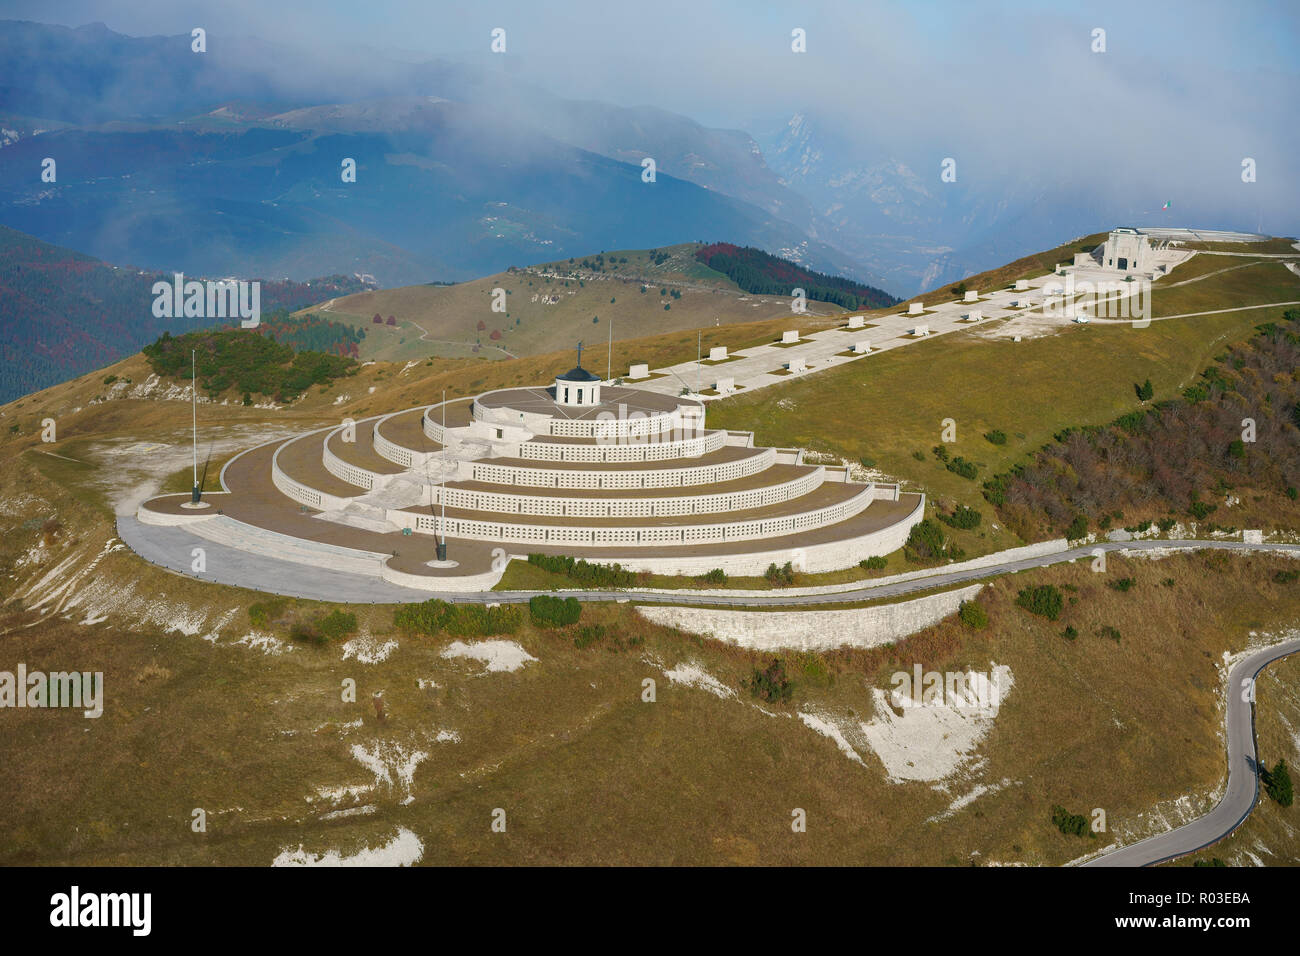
{"x": 972, "y": 295}
{"x": 857, "y": 321}
{"x": 725, "y": 386}
{"x": 797, "y": 365}
{"x": 639, "y": 371}
{"x": 974, "y": 315}
{"x": 921, "y": 330}
{"x": 718, "y": 353}
{"x": 916, "y": 308}
{"x": 1022, "y": 285}
{"x": 790, "y": 335}
{"x": 863, "y": 347}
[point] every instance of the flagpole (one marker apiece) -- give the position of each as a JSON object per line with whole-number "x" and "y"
{"x": 194, "y": 407}
{"x": 442, "y": 529}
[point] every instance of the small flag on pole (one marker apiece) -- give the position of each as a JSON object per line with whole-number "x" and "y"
{"x": 1166, "y": 205}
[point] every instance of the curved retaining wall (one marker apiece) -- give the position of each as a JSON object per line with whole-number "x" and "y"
{"x": 301, "y": 493}
{"x": 636, "y": 451}
{"x": 352, "y": 474}
{"x": 504, "y": 503}
{"x": 651, "y": 535}
{"x": 165, "y": 519}
{"x": 655, "y": 478}
{"x": 815, "y": 558}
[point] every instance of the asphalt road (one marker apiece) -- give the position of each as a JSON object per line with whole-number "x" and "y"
{"x": 169, "y": 547}
{"x": 1243, "y": 781}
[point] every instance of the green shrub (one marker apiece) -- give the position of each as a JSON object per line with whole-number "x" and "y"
{"x": 779, "y": 577}
{"x": 716, "y": 576}
{"x": 973, "y": 615}
{"x": 1070, "y": 633}
{"x": 264, "y": 613}
{"x": 593, "y": 575}
{"x": 550, "y": 611}
{"x": 1078, "y": 528}
{"x": 995, "y": 490}
{"x": 1122, "y": 584}
{"x": 940, "y": 452}
{"x": 962, "y": 517}
{"x": 960, "y": 466}
{"x": 874, "y": 563}
{"x": 337, "y": 624}
{"x": 1145, "y": 391}
{"x": 1285, "y": 577}
{"x": 1044, "y": 600}
{"x": 996, "y": 437}
{"x": 771, "y": 684}
{"x": 461, "y": 620}
{"x": 1277, "y": 782}
{"x": 1107, "y": 631}
{"x": 925, "y": 542}
{"x": 1071, "y": 824}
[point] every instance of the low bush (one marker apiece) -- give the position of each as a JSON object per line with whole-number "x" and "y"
{"x": 873, "y": 563}
{"x": 1277, "y": 782}
{"x": 1044, "y": 600}
{"x": 973, "y": 615}
{"x": 779, "y": 577}
{"x": 550, "y": 611}
{"x": 337, "y": 624}
{"x": 594, "y": 575}
{"x": 461, "y": 620}
{"x": 962, "y": 517}
{"x": 771, "y": 684}
{"x": 1071, "y": 824}
{"x": 996, "y": 437}
{"x": 960, "y": 466}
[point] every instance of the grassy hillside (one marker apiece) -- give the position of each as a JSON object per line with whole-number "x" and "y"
{"x": 891, "y": 408}
{"x": 213, "y": 703}
{"x": 553, "y": 305}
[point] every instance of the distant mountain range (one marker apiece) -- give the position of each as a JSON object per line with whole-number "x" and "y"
{"x": 229, "y": 162}
{"x": 172, "y": 159}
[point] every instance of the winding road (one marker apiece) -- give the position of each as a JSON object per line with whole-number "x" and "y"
{"x": 1242, "y": 792}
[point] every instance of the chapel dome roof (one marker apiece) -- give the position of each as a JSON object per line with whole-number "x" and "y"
{"x": 578, "y": 374}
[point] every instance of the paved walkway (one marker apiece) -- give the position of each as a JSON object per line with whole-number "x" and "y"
{"x": 760, "y": 366}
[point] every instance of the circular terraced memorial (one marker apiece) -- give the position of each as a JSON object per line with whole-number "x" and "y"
{"x": 580, "y": 468}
